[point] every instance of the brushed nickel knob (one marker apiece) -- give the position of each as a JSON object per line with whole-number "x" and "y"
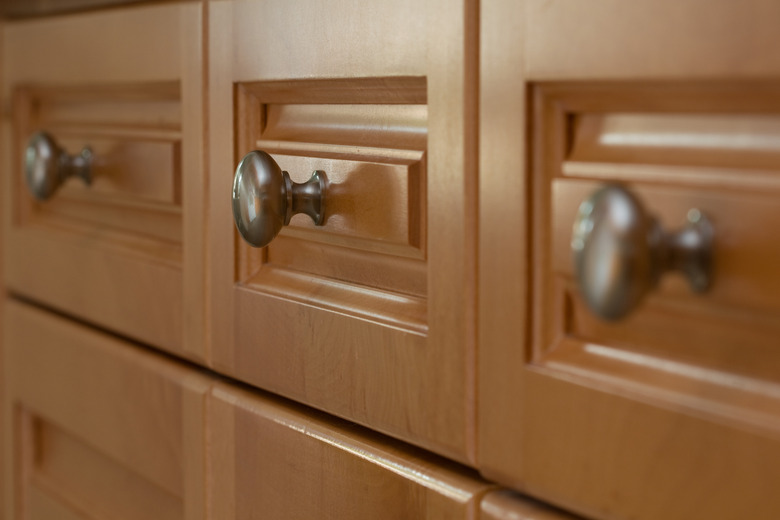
{"x": 620, "y": 251}
{"x": 47, "y": 166}
{"x": 265, "y": 199}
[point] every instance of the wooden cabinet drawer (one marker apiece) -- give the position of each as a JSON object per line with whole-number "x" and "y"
{"x": 97, "y": 428}
{"x": 672, "y": 411}
{"x": 124, "y": 252}
{"x": 275, "y": 460}
{"x": 369, "y": 316}
{"x": 707, "y": 146}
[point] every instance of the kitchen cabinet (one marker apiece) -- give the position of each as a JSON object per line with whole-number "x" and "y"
{"x": 97, "y": 427}
{"x": 126, "y": 251}
{"x": 670, "y": 411}
{"x": 274, "y": 459}
{"x": 425, "y": 345}
{"x": 369, "y": 316}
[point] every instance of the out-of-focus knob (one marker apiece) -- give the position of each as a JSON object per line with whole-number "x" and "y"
{"x": 264, "y": 198}
{"x": 620, "y": 252}
{"x": 47, "y": 166}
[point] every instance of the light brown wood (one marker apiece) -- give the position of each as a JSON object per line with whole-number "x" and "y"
{"x": 99, "y": 428}
{"x": 3, "y": 293}
{"x": 674, "y": 412}
{"x": 506, "y": 505}
{"x": 24, "y": 8}
{"x": 274, "y": 460}
{"x": 128, "y": 253}
{"x": 612, "y": 40}
{"x": 382, "y": 329}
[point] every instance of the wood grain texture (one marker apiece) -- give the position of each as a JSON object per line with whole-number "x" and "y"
{"x": 129, "y": 252}
{"x": 672, "y": 415}
{"x": 507, "y": 505}
{"x": 503, "y": 246}
{"x": 272, "y": 460}
{"x": 408, "y": 375}
{"x": 2, "y": 291}
{"x": 667, "y": 39}
{"x": 101, "y": 428}
{"x": 25, "y": 8}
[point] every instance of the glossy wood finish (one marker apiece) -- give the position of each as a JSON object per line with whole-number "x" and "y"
{"x": 371, "y": 317}
{"x": 98, "y": 428}
{"x": 507, "y": 505}
{"x": 674, "y": 413}
{"x": 128, "y": 252}
{"x": 275, "y": 460}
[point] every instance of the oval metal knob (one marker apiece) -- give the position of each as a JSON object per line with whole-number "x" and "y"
{"x": 47, "y": 166}
{"x": 265, "y": 199}
{"x": 620, "y": 251}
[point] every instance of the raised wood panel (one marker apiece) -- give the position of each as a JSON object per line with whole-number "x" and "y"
{"x": 136, "y": 169}
{"x": 127, "y": 252}
{"x": 506, "y": 505}
{"x": 136, "y": 165}
{"x": 673, "y": 413}
{"x": 742, "y": 306}
{"x": 99, "y": 427}
{"x": 383, "y": 293}
{"x": 64, "y": 466}
{"x": 271, "y": 459}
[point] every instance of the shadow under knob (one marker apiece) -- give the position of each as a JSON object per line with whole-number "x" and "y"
{"x": 620, "y": 251}
{"x": 47, "y": 166}
{"x": 265, "y": 199}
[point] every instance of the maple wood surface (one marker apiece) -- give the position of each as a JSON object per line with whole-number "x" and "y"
{"x": 383, "y": 332}
{"x": 507, "y": 505}
{"x": 3, "y": 293}
{"x": 271, "y": 459}
{"x": 98, "y": 428}
{"x": 674, "y": 412}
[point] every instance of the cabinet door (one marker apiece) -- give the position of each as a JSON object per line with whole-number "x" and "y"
{"x": 279, "y": 460}
{"x": 369, "y": 316}
{"x": 673, "y": 411}
{"x": 125, "y": 251}
{"x": 97, "y": 428}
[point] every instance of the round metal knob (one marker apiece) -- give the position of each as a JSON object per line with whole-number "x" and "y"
{"x": 47, "y": 166}
{"x": 265, "y": 199}
{"x": 620, "y": 252}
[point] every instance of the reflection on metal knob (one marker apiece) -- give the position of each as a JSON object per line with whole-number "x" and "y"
{"x": 47, "y": 166}
{"x": 264, "y": 198}
{"x": 620, "y": 251}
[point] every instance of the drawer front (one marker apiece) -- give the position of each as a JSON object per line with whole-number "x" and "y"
{"x": 275, "y": 460}
{"x": 368, "y": 316}
{"x": 97, "y": 428}
{"x": 125, "y": 250}
{"x": 615, "y": 418}
{"x": 507, "y": 505}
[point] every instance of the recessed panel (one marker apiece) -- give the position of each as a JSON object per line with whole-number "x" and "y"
{"x": 710, "y": 148}
{"x": 370, "y": 140}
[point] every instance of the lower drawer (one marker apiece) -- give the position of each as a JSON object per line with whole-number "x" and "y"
{"x": 507, "y": 505}
{"x": 96, "y": 427}
{"x": 273, "y": 460}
